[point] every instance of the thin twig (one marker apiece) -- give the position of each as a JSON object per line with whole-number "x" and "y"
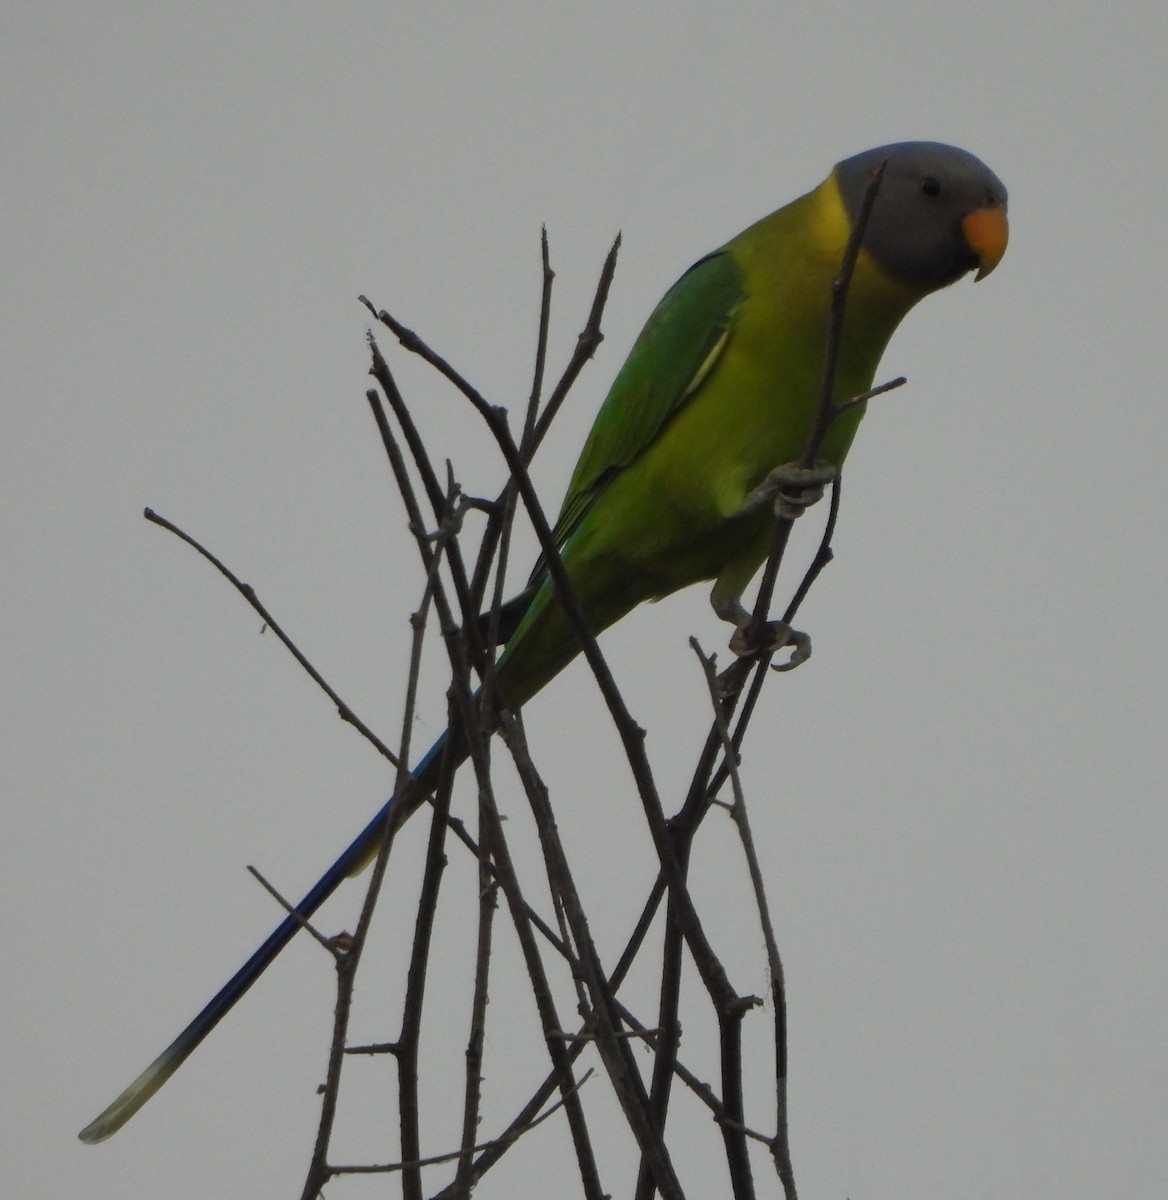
{"x": 434, "y": 491}
{"x": 472, "y": 1090}
{"x": 430, "y": 553}
{"x": 537, "y": 975}
{"x": 249, "y": 594}
{"x": 411, "y": 1025}
{"x": 728, "y": 1004}
{"x": 780, "y": 1144}
{"x": 589, "y": 339}
{"x": 470, "y": 734}
{"x": 827, "y": 410}
{"x": 505, "y": 1140}
{"x": 305, "y": 924}
{"x": 605, "y": 1022}
{"x": 533, "y": 434}
{"x": 541, "y": 344}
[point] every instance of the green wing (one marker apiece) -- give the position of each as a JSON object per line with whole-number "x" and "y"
{"x": 675, "y": 351}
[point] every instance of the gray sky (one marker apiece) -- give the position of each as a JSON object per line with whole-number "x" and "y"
{"x": 959, "y": 799}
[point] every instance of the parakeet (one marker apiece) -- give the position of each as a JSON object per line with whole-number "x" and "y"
{"x": 719, "y": 390}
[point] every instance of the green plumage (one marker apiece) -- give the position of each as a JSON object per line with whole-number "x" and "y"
{"x": 719, "y": 390}
{"x": 720, "y": 387}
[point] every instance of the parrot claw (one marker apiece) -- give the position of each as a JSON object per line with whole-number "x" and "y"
{"x": 750, "y": 640}
{"x": 792, "y": 488}
{"x": 775, "y": 636}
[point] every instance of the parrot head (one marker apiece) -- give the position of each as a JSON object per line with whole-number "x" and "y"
{"x": 940, "y": 212}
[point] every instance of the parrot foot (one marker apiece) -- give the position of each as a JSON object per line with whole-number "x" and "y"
{"x": 776, "y": 635}
{"x": 792, "y": 488}
{"x": 750, "y": 640}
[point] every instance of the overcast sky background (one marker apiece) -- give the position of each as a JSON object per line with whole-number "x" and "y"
{"x": 959, "y": 799}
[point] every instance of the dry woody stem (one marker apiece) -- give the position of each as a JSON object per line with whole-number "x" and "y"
{"x": 634, "y": 1062}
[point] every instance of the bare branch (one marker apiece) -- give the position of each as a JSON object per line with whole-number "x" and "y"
{"x": 249, "y": 594}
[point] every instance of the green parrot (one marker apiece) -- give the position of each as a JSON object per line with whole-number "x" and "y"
{"x": 677, "y": 481}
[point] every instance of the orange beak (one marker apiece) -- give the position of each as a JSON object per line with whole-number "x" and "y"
{"x": 986, "y": 232}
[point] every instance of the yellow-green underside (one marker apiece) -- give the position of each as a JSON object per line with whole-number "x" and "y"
{"x": 667, "y": 520}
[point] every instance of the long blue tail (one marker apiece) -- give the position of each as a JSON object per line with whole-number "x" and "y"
{"x": 360, "y": 851}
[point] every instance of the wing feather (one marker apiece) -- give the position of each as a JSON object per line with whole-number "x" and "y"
{"x": 678, "y": 347}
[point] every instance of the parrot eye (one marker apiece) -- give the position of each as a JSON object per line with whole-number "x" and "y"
{"x": 931, "y": 187}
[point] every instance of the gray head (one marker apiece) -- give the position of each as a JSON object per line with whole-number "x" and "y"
{"x": 940, "y": 211}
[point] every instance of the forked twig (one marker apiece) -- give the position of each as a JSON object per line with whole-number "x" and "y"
{"x": 455, "y": 596}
